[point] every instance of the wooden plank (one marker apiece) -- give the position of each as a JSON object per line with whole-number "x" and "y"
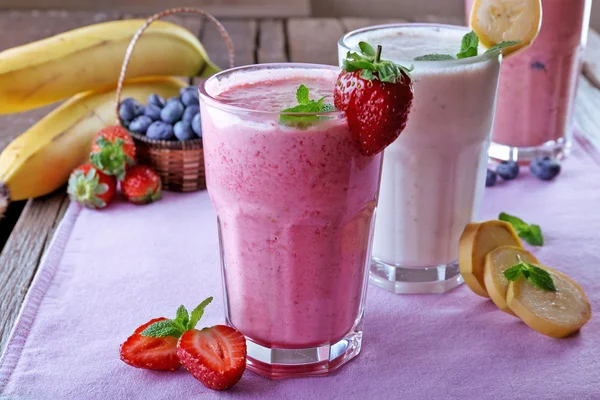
{"x": 314, "y": 40}
{"x": 587, "y": 117}
{"x": 21, "y": 255}
{"x": 439, "y": 19}
{"x": 352, "y": 24}
{"x": 221, "y": 8}
{"x": 591, "y": 58}
{"x": 271, "y": 41}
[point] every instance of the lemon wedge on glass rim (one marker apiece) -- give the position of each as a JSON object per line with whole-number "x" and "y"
{"x": 496, "y": 21}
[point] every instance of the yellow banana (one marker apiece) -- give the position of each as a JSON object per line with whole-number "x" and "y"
{"x": 53, "y": 69}
{"x": 40, "y": 160}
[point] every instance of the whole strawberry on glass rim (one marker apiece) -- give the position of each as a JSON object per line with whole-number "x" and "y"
{"x": 376, "y": 96}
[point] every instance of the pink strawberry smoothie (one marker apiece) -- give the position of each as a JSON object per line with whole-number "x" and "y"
{"x": 295, "y": 208}
{"x": 537, "y": 86}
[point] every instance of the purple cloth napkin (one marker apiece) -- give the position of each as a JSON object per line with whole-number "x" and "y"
{"x": 107, "y": 272}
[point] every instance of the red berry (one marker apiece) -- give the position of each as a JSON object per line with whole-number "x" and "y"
{"x": 215, "y": 356}
{"x": 150, "y": 352}
{"x": 113, "y": 150}
{"x": 141, "y": 185}
{"x": 377, "y": 103}
{"x": 91, "y": 188}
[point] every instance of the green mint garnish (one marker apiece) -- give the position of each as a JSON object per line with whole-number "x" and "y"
{"x": 469, "y": 48}
{"x": 434, "y": 57}
{"x": 536, "y": 275}
{"x": 372, "y": 66}
{"x": 532, "y": 234}
{"x": 176, "y": 327}
{"x": 305, "y": 105}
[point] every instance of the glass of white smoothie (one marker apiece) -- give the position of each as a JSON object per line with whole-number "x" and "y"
{"x": 434, "y": 173}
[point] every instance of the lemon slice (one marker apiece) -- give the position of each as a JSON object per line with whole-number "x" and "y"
{"x": 476, "y": 241}
{"x": 496, "y": 21}
{"x": 556, "y": 314}
{"x": 496, "y": 262}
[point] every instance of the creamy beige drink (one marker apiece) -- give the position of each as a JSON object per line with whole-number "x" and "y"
{"x": 434, "y": 173}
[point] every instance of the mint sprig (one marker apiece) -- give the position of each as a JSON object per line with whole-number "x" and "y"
{"x": 532, "y": 234}
{"x": 305, "y": 105}
{"x": 372, "y": 66}
{"x": 534, "y": 274}
{"x": 469, "y": 47}
{"x": 176, "y": 327}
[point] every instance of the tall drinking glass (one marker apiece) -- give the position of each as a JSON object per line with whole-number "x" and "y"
{"x": 295, "y": 203}
{"x": 537, "y": 87}
{"x": 434, "y": 173}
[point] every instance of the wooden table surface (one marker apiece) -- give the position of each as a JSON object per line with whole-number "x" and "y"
{"x": 26, "y": 230}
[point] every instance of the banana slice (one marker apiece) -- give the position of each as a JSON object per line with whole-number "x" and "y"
{"x": 496, "y": 21}
{"x": 477, "y": 240}
{"x": 496, "y": 262}
{"x": 556, "y": 314}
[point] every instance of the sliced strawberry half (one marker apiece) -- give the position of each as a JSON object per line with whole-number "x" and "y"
{"x": 215, "y": 356}
{"x": 157, "y": 353}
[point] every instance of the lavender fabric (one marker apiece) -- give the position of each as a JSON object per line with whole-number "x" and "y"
{"x": 107, "y": 272}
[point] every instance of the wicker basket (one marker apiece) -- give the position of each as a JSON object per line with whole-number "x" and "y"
{"x": 179, "y": 164}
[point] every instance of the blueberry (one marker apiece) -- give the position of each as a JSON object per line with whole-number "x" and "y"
{"x": 183, "y": 131}
{"x": 174, "y": 99}
{"x": 153, "y": 112}
{"x": 490, "y": 179}
{"x": 160, "y": 130}
{"x": 190, "y": 112}
{"x": 197, "y": 125}
{"x": 508, "y": 170}
{"x": 172, "y": 112}
{"x": 140, "y": 124}
{"x": 129, "y": 109}
{"x": 545, "y": 167}
{"x": 156, "y": 100}
{"x": 189, "y": 97}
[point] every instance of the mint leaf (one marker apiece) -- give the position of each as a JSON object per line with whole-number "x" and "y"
{"x": 182, "y": 318}
{"x": 302, "y": 95}
{"x": 198, "y": 312}
{"x": 469, "y": 46}
{"x": 541, "y": 278}
{"x": 502, "y": 45}
{"x": 162, "y": 328}
{"x": 367, "y": 49}
{"x": 513, "y": 272}
{"x": 434, "y": 57}
{"x": 532, "y": 234}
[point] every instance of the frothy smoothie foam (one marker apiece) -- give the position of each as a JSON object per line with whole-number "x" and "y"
{"x": 295, "y": 207}
{"x": 434, "y": 173}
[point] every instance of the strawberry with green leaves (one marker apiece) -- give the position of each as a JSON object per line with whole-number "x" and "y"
{"x": 154, "y": 344}
{"x": 113, "y": 151}
{"x": 91, "y": 188}
{"x": 376, "y": 96}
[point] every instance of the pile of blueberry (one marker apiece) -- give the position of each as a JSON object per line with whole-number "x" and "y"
{"x": 178, "y": 118}
{"x": 542, "y": 167}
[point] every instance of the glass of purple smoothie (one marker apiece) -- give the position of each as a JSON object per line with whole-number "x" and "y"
{"x": 536, "y": 97}
{"x": 295, "y": 203}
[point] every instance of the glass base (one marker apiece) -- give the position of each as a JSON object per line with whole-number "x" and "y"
{"x": 555, "y": 148}
{"x": 405, "y": 280}
{"x": 277, "y": 363}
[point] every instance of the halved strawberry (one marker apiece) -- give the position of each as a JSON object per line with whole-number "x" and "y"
{"x": 215, "y": 356}
{"x": 376, "y": 96}
{"x": 157, "y": 353}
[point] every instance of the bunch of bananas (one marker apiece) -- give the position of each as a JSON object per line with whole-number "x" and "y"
{"x": 83, "y": 66}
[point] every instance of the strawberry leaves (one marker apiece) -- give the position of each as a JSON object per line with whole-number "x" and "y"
{"x": 372, "y": 66}
{"x": 176, "y": 327}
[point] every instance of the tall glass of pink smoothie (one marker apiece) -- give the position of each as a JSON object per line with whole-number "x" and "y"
{"x": 434, "y": 173}
{"x": 534, "y": 115}
{"x": 295, "y": 203}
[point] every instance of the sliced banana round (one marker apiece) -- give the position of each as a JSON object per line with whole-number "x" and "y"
{"x": 477, "y": 240}
{"x": 496, "y": 262}
{"x": 496, "y": 21}
{"x": 557, "y": 314}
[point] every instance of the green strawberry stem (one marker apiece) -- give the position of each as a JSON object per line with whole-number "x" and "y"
{"x": 378, "y": 55}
